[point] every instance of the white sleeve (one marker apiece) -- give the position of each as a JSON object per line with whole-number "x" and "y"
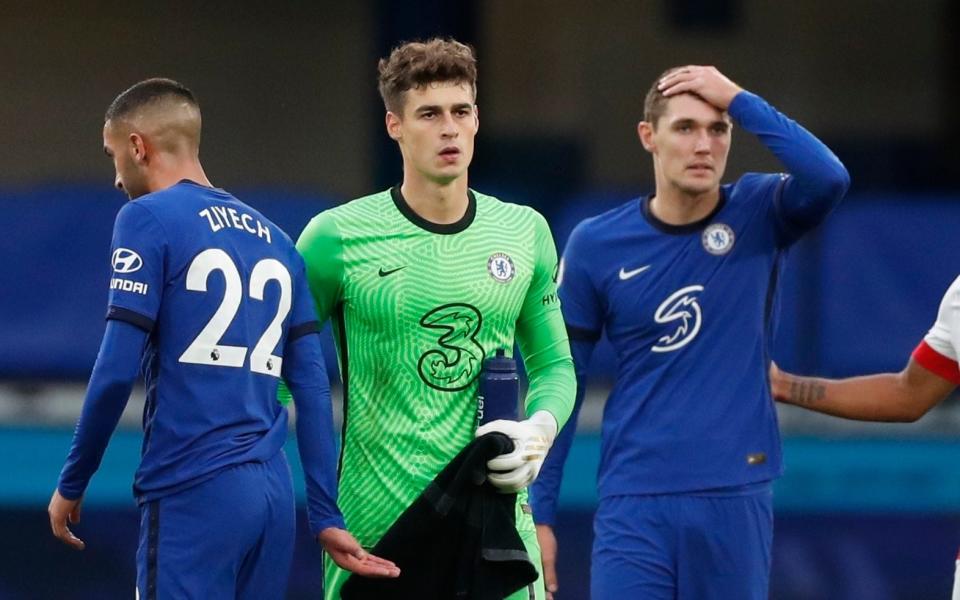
{"x": 944, "y": 336}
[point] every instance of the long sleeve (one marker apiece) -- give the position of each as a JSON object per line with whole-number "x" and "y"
{"x": 320, "y": 247}
{"x": 543, "y": 339}
{"x": 816, "y": 179}
{"x": 306, "y": 376}
{"x": 114, "y": 374}
{"x": 583, "y": 316}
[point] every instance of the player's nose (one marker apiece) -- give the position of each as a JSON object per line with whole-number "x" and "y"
{"x": 117, "y": 183}
{"x": 703, "y": 142}
{"x": 449, "y": 127}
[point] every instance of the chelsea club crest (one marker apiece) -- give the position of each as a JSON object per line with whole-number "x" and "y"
{"x": 500, "y": 267}
{"x": 718, "y": 239}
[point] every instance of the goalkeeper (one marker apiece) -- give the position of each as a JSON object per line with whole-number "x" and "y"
{"x": 422, "y": 282}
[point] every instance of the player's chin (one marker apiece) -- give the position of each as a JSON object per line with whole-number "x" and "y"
{"x": 447, "y": 175}
{"x": 699, "y": 185}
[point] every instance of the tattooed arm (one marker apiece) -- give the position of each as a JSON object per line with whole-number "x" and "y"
{"x": 905, "y": 396}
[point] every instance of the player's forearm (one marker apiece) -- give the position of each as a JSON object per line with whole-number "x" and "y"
{"x": 552, "y": 388}
{"x": 315, "y": 442}
{"x": 306, "y": 376}
{"x": 546, "y": 356}
{"x": 107, "y": 394}
{"x": 817, "y": 171}
{"x": 882, "y": 397}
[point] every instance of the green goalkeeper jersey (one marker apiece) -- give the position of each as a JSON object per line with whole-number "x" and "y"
{"x": 416, "y": 307}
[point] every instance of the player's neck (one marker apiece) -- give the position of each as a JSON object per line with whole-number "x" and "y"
{"x": 172, "y": 173}
{"x": 676, "y": 207}
{"x": 438, "y": 203}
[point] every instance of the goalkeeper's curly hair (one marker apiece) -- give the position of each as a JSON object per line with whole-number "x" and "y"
{"x": 413, "y": 65}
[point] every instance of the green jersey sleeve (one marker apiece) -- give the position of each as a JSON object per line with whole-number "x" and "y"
{"x": 542, "y": 336}
{"x": 322, "y": 250}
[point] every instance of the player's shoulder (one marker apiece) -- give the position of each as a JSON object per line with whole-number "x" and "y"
{"x": 750, "y": 185}
{"x": 357, "y": 214}
{"x": 150, "y": 211}
{"x": 157, "y": 204}
{"x": 176, "y": 201}
{"x": 348, "y": 219}
{"x": 608, "y": 220}
{"x": 359, "y": 209}
{"x": 497, "y": 209}
{"x": 259, "y": 218}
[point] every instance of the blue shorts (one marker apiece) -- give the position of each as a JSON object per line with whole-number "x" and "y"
{"x": 706, "y": 545}
{"x": 229, "y": 537}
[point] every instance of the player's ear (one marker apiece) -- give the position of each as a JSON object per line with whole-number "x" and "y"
{"x": 645, "y": 133}
{"x": 476, "y": 117}
{"x": 138, "y": 147}
{"x": 393, "y": 126}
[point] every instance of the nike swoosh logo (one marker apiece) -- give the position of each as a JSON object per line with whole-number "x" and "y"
{"x": 625, "y": 275}
{"x": 390, "y": 272}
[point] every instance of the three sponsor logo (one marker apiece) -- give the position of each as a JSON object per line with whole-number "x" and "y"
{"x": 681, "y": 309}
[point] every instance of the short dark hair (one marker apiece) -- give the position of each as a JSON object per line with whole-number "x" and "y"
{"x": 416, "y": 64}
{"x": 147, "y": 92}
{"x": 655, "y": 104}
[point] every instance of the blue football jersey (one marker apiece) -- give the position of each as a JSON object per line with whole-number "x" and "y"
{"x": 220, "y": 289}
{"x": 690, "y": 311}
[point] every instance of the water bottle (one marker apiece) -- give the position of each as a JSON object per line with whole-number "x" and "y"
{"x": 498, "y": 396}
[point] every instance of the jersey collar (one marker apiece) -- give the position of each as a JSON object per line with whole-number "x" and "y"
{"x": 680, "y": 229}
{"x": 203, "y": 187}
{"x": 441, "y": 228}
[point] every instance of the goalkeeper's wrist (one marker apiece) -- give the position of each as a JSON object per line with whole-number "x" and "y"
{"x": 547, "y": 421}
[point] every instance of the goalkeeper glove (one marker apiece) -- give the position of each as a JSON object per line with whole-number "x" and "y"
{"x": 532, "y": 438}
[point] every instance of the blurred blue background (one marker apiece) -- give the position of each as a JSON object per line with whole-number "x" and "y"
{"x": 293, "y": 125}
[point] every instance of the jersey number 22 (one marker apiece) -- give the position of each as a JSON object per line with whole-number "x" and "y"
{"x": 205, "y": 348}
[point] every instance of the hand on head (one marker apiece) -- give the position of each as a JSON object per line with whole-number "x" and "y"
{"x": 706, "y": 82}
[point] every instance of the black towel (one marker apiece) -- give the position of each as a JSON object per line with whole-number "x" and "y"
{"x": 458, "y": 540}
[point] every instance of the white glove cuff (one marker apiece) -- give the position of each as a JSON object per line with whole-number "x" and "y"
{"x": 547, "y": 422}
